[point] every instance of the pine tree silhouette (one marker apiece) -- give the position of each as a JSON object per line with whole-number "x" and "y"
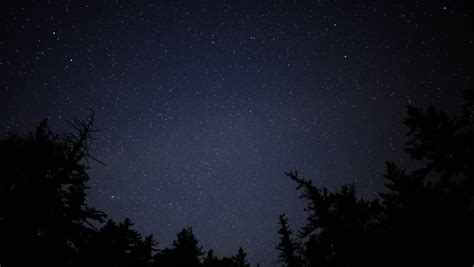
{"x": 432, "y": 206}
{"x": 425, "y": 216}
{"x": 42, "y": 195}
{"x": 210, "y": 260}
{"x": 118, "y": 245}
{"x": 240, "y": 260}
{"x": 44, "y": 219}
{"x": 288, "y": 249}
{"x": 185, "y": 251}
{"x": 339, "y": 225}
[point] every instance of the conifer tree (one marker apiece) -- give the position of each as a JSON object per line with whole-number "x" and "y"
{"x": 287, "y": 247}
{"x": 42, "y": 195}
{"x": 240, "y": 260}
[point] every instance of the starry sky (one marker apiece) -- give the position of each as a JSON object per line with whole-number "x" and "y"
{"x": 202, "y": 105}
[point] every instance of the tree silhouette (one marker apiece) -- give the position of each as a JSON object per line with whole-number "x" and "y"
{"x": 42, "y": 195}
{"x": 185, "y": 251}
{"x": 118, "y": 245}
{"x": 210, "y": 260}
{"x": 240, "y": 260}
{"x": 432, "y": 206}
{"x": 44, "y": 219}
{"x": 425, "y": 216}
{"x": 339, "y": 225}
{"x": 288, "y": 248}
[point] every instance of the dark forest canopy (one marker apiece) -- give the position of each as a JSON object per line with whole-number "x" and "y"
{"x": 424, "y": 216}
{"x": 44, "y": 219}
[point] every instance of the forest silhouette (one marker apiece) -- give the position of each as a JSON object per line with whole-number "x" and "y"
{"x": 423, "y": 217}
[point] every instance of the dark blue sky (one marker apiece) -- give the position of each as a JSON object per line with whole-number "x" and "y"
{"x": 203, "y": 105}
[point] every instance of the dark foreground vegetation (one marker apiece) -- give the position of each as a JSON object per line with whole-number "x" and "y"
{"x": 424, "y": 217}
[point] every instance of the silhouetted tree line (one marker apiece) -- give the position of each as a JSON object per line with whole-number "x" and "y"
{"x": 45, "y": 221}
{"x": 424, "y": 217}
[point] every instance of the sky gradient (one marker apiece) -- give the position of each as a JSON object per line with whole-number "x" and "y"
{"x": 202, "y": 105}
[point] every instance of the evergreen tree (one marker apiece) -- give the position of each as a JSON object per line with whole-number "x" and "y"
{"x": 117, "y": 245}
{"x": 210, "y": 260}
{"x": 44, "y": 219}
{"x": 42, "y": 195}
{"x": 240, "y": 260}
{"x": 288, "y": 248}
{"x": 339, "y": 225}
{"x": 432, "y": 205}
{"x": 425, "y": 216}
{"x": 185, "y": 251}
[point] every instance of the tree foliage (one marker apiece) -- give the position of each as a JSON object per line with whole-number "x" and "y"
{"x": 289, "y": 249}
{"x": 42, "y": 195}
{"x": 425, "y": 216}
{"x": 44, "y": 218}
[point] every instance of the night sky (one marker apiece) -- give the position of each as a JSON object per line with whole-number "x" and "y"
{"x": 202, "y": 105}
